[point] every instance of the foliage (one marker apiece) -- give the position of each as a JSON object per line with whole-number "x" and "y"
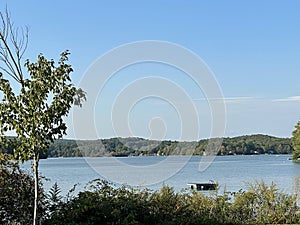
{"x": 271, "y": 206}
{"x": 54, "y": 199}
{"x": 263, "y": 204}
{"x": 34, "y": 110}
{"x": 253, "y": 144}
{"x": 17, "y": 193}
{"x": 256, "y": 144}
{"x": 35, "y": 114}
{"x": 296, "y": 142}
{"x": 102, "y": 203}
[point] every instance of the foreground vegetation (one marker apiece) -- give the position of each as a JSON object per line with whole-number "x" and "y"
{"x": 243, "y": 145}
{"x": 102, "y": 203}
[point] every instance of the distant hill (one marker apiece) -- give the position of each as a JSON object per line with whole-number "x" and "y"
{"x": 133, "y": 146}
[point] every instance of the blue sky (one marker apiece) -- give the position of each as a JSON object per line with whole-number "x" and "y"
{"x": 252, "y": 47}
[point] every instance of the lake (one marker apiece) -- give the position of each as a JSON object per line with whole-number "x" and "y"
{"x": 231, "y": 172}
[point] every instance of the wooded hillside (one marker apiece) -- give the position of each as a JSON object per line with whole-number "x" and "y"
{"x": 133, "y": 146}
{"x": 242, "y": 145}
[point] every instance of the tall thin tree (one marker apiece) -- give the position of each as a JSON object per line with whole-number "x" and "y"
{"x": 35, "y": 109}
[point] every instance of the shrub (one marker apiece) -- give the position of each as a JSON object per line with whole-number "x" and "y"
{"x": 102, "y": 203}
{"x": 17, "y": 193}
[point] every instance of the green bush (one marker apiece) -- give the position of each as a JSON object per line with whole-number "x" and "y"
{"x": 17, "y": 193}
{"x": 101, "y": 203}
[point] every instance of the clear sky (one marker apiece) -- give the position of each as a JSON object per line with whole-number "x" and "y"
{"x": 252, "y": 47}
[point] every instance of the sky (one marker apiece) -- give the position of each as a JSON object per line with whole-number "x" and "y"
{"x": 252, "y": 50}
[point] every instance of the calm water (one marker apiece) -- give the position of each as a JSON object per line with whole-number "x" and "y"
{"x": 231, "y": 172}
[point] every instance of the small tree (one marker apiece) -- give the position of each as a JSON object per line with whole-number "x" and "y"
{"x": 35, "y": 109}
{"x": 296, "y": 142}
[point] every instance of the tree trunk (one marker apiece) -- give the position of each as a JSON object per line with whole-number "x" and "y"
{"x": 36, "y": 187}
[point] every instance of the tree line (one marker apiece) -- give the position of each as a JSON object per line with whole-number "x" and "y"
{"x": 242, "y": 145}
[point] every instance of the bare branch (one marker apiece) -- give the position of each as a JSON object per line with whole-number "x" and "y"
{"x": 10, "y": 74}
{"x": 13, "y": 44}
{"x": 4, "y": 57}
{"x": 9, "y": 70}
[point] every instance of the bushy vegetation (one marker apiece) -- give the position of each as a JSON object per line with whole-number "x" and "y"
{"x": 101, "y": 203}
{"x": 17, "y": 193}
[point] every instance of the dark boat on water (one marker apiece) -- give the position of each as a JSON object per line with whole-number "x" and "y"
{"x": 210, "y": 186}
